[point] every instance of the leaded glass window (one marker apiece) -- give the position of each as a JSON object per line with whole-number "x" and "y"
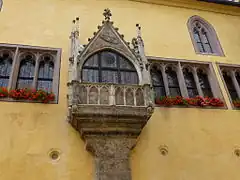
{"x": 190, "y": 83}
{"x": 109, "y": 67}
{"x": 173, "y": 83}
{"x": 204, "y": 83}
{"x": 157, "y": 82}
{"x": 45, "y": 73}
{"x": 201, "y": 38}
{"x": 5, "y": 68}
{"x": 204, "y": 36}
{"x": 230, "y": 86}
{"x": 26, "y": 72}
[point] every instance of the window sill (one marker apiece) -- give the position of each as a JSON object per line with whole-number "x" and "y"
{"x": 209, "y": 54}
{"x": 8, "y": 99}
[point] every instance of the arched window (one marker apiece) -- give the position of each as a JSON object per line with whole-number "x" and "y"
{"x": 26, "y": 71}
{"x": 204, "y": 37}
{"x": 173, "y": 84}
{"x": 5, "y": 68}
{"x": 157, "y": 82}
{"x": 45, "y": 73}
{"x": 109, "y": 67}
{"x": 204, "y": 83}
{"x": 230, "y": 85}
{"x": 190, "y": 83}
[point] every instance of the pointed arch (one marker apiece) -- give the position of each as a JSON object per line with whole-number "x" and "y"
{"x": 109, "y": 66}
{"x": 204, "y": 36}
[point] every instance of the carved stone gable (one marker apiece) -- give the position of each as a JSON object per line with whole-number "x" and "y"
{"x": 108, "y": 37}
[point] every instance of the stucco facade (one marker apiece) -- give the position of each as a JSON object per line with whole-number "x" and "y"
{"x": 200, "y": 142}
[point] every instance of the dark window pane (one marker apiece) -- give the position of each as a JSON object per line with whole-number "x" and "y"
{"x": 113, "y": 68}
{"x": 157, "y": 79}
{"x": 208, "y": 48}
{"x": 205, "y": 38}
{"x": 173, "y": 83}
{"x": 196, "y": 36}
{"x": 159, "y": 91}
{"x": 45, "y": 75}
{"x": 238, "y": 77}
{"x": 108, "y": 59}
{"x": 90, "y": 75}
{"x": 129, "y": 78}
{"x": 200, "y": 47}
{"x": 190, "y": 83}
{"x": 231, "y": 88}
{"x": 204, "y": 83}
{"x": 92, "y": 61}
{"x": 110, "y": 76}
{"x": 192, "y": 92}
{"x": 175, "y": 92}
{"x": 5, "y": 69}
{"x": 125, "y": 64}
{"x": 26, "y": 72}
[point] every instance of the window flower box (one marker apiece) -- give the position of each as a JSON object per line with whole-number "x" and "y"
{"x": 236, "y": 103}
{"x": 196, "y": 101}
{"x": 28, "y": 94}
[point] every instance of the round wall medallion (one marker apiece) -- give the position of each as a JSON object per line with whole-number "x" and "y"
{"x": 54, "y": 154}
{"x": 163, "y": 150}
{"x": 237, "y": 152}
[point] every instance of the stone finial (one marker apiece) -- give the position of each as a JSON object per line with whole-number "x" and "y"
{"x": 107, "y": 14}
{"x": 138, "y": 30}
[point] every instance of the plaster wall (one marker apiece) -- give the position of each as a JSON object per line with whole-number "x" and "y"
{"x": 201, "y": 142}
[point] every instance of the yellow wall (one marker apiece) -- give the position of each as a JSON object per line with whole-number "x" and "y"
{"x": 200, "y": 142}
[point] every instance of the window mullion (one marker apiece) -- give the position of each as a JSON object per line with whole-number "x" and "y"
{"x": 235, "y": 83}
{"x": 196, "y": 79}
{"x": 201, "y": 40}
{"x": 165, "y": 80}
{"x": 14, "y": 71}
{"x": 35, "y": 78}
{"x": 181, "y": 81}
{"x": 100, "y": 67}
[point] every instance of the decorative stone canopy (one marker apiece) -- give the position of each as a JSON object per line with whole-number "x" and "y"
{"x": 108, "y": 126}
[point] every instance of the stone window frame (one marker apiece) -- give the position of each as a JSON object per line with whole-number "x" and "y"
{"x": 213, "y": 38}
{"x": 232, "y": 68}
{"x": 180, "y": 64}
{"x": 17, "y": 50}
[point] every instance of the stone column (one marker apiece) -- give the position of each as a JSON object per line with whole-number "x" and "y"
{"x": 111, "y": 156}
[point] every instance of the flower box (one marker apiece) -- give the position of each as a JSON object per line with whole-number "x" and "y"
{"x": 28, "y": 94}
{"x": 236, "y": 103}
{"x": 196, "y": 101}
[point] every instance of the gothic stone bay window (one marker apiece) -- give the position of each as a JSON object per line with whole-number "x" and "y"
{"x": 204, "y": 37}
{"x": 29, "y": 68}
{"x": 182, "y": 79}
{"x": 109, "y": 96}
{"x": 231, "y": 77}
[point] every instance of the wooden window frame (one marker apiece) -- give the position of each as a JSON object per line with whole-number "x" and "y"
{"x": 180, "y": 64}
{"x": 38, "y": 52}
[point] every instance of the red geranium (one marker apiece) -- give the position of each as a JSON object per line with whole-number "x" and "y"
{"x": 196, "y": 101}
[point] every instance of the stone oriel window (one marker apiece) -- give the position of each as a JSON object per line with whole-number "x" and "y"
{"x": 231, "y": 77}
{"x": 171, "y": 77}
{"x": 29, "y": 67}
{"x": 204, "y": 37}
{"x": 109, "y": 67}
